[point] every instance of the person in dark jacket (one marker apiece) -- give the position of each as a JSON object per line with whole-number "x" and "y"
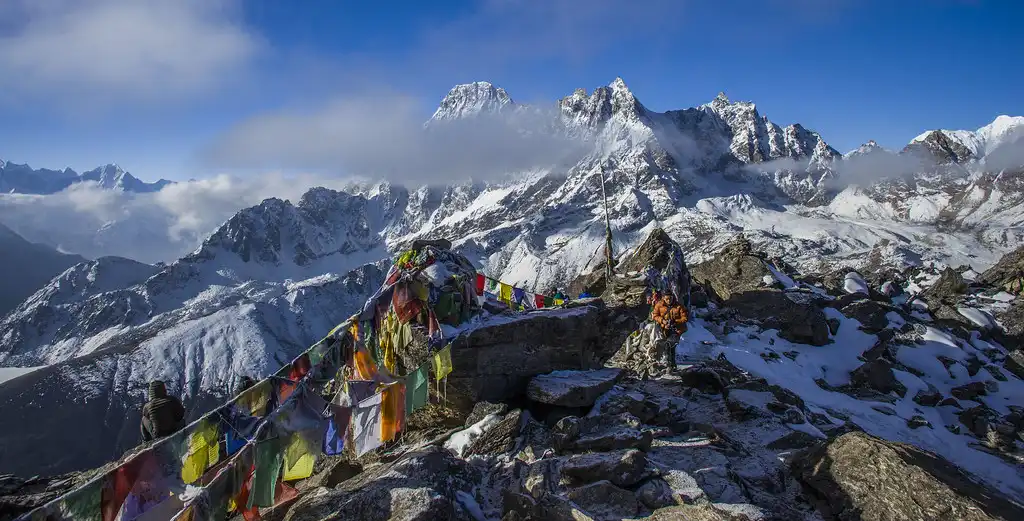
{"x": 162, "y": 415}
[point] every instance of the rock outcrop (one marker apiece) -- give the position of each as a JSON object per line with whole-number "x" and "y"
{"x": 736, "y": 269}
{"x": 1007, "y": 274}
{"x": 572, "y": 388}
{"x": 857, "y": 476}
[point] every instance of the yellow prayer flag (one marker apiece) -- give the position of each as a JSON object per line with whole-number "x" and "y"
{"x": 298, "y": 459}
{"x": 504, "y": 293}
{"x": 203, "y": 452}
{"x": 443, "y": 362}
{"x": 255, "y": 398}
{"x": 365, "y": 368}
{"x": 559, "y": 302}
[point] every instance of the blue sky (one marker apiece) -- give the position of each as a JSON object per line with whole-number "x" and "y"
{"x": 154, "y": 85}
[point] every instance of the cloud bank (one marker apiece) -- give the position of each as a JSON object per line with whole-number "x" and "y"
{"x": 383, "y": 137}
{"x": 155, "y": 227}
{"x": 120, "y": 50}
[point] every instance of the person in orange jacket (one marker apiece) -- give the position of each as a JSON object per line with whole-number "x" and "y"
{"x": 669, "y": 314}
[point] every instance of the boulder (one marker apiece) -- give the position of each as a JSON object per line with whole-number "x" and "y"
{"x": 494, "y": 362}
{"x": 482, "y": 409}
{"x": 796, "y": 321}
{"x": 421, "y": 485}
{"x": 858, "y": 476}
{"x": 624, "y": 468}
{"x": 870, "y": 314}
{"x": 970, "y": 391}
{"x": 1014, "y": 363}
{"x": 600, "y": 433}
{"x": 655, "y": 493}
{"x": 572, "y": 388}
{"x": 604, "y": 501}
{"x": 949, "y": 289}
{"x": 702, "y": 512}
{"x": 500, "y": 437}
{"x": 877, "y": 375}
{"x": 928, "y": 397}
{"x": 735, "y": 269}
{"x": 1007, "y": 274}
{"x": 793, "y": 440}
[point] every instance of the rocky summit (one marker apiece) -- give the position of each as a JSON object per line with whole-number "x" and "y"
{"x": 790, "y": 398}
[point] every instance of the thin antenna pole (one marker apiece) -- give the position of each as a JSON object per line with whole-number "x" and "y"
{"x": 607, "y": 231}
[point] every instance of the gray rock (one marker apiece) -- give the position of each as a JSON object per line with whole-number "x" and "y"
{"x": 655, "y": 493}
{"x": 737, "y": 268}
{"x": 704, "y": 512}
{"x": 797, "y": 322}
{"x": 918, "y": 421}
{"x": 556, "y": 508}
{"x": 1014, "y": 363}
{"x": 623, "y": 468}
{"x": 482, "y": 409}
{"x": 499, "y": 438}
{"x": 572, "y": 388}
{"x": 600, "y": 433}
{"x": 949, "y": 289}
{"x": 604, "y": 501}
{"x": 870, "y": 314}
{"x": 877, "y": 375}
{"x": 858, "y": 476}
{"x": 418, "y": 486}
{"x": 969, "y": 391}
{"x": 928, "y": 397}
{"x": 793, "y": 440}
{"x": 977, "y": 420}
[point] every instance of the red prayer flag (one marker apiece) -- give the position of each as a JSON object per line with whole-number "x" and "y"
{"x": 539, "y": 301}
{"x": 480, "y": 281}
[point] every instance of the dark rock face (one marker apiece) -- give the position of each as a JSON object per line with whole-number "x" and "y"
{"x": 624, "y": 468}
{"x": 796, "y": 321}
{"x": 572, "y": 388}
{"x": 928, "y": 398}
{"x": 858, "y": 476}
{"x": 605, "y": 501}
{"x": 736, "y": 269}
{"x": 419, "y": 486}
{"x": 877, "y": 374}
{"x": 870, "y": 314}
{"x": 695, "y": 513}
{"x": 1007, "y": 274}
{"x": 500, "y": 438}
{"x": 600, "y": 433}
{"x": 496, "y": 362}
{"x": 969, "y": 391}
{"x": 949, "y": 289}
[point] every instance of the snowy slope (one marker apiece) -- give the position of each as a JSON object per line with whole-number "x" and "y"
{"x": 266, "y": 285}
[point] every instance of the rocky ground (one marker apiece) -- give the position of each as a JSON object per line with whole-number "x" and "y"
{"x": 846, "y": 396}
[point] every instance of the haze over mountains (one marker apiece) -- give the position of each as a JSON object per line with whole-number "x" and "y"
{"x": 274, "y": 277}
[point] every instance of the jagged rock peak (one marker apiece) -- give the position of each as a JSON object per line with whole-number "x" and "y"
{"x": 472, "y": 99}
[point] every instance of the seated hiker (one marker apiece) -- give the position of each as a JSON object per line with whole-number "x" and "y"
{"x": 162, "y": 415}
{"x": 243, "y": 385}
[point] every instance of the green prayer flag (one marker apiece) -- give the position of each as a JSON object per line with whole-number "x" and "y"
{"x": 548, "y": 302}
{"x": 268, "y": 468}
{"x": 416, "y": 389}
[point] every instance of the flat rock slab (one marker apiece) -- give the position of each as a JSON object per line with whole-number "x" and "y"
{"x": 572, "y": 388}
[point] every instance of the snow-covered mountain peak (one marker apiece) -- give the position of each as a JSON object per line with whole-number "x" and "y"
{"x": 472, "y": 99}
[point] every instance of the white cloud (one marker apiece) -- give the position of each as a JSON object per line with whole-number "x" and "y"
{"x": 113, "y": 50}
{"x": 162, "y": 226}
{"x": 383, "y": 137}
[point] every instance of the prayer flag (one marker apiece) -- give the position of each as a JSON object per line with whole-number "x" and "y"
{"x": 266, "y": 473}
{"x": 392, "y": 411}
{"x": 298, "y": 458}
{"x": 365, "y": 368}
{"x": 538, "y": 301}
{"x": 505, "y": 293}
{"x": 517, "y": 296}
{"x": 337, "y": 427}
{"x": 480, "y": 281}
{"x": 443, "y": 362}
{"x": 366, "y": 424}
{"x": 416, "y": 390}
{"x": 202, "y": 452}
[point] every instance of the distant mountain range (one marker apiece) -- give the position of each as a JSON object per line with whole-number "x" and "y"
{"x": 23, "y": 179}
{"x": 276, "y": 276}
